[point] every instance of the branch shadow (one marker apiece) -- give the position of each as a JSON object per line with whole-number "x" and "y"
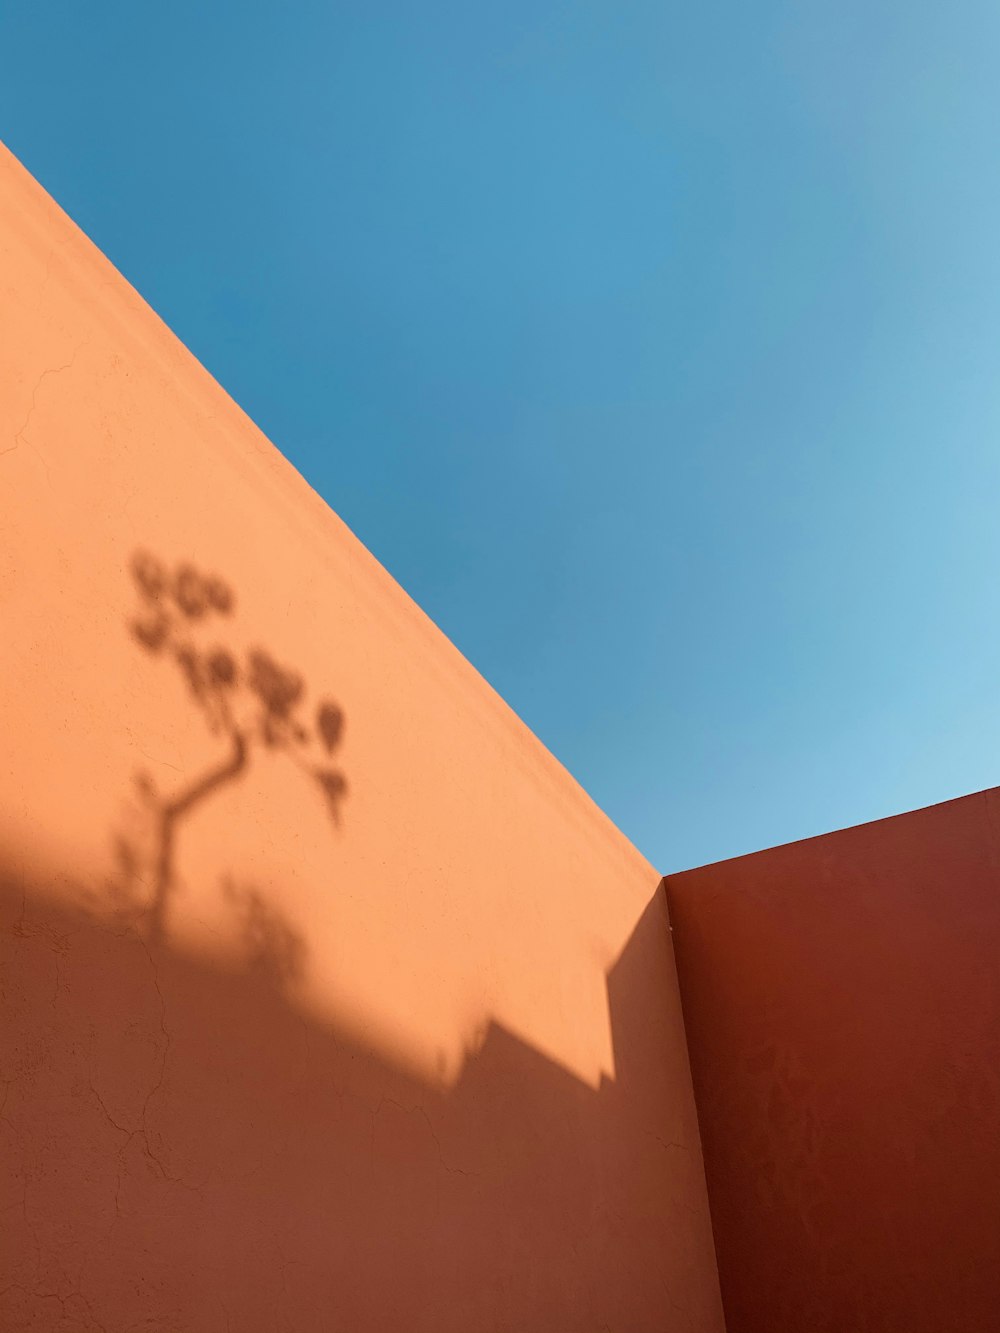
{"x": 185, "y": 1149}
{"x": 251, "y": 703}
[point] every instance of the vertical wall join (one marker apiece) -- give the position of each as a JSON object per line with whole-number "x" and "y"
{"x": 842, "y": 1003}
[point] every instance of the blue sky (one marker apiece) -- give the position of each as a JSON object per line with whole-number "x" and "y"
{"x": 652, "y": 347}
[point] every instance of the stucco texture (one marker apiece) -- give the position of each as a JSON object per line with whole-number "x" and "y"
{"x": 330, "y": 1002}
{"x": 842, "y": 997}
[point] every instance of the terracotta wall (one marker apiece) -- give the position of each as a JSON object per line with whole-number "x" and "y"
{"x": 842, "y": 997}
{"x": 330, "y": 1000}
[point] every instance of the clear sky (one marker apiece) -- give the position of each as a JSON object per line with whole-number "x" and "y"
{"x": 652, "y": 347}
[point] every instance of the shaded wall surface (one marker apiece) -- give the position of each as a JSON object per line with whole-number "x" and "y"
{"x": 189, "y": 1152}
{"x": 329, "y": 1000}
{"x": 842, "y": 999}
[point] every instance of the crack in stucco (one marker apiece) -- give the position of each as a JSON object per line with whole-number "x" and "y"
{"x": 100, "y": 1101}
{"x": 667, "y": 1143}
{"x": 19, "y": 435}
{"x": 40, "y": 1295}
{"x": 163, "y": 1027}
{"x": 142, "y": 1132}
{"x": 419, "y": 1110}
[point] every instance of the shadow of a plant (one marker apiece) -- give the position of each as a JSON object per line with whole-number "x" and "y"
{"x": 251, "y": 704}
{"x": 272, "y": 949}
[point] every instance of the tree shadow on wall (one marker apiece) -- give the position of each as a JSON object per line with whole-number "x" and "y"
{"x": 183, "y": 1147}
{"x": 250, "y": 702}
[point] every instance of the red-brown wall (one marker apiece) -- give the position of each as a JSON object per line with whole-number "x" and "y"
{"x": 842, "y": 1002}
{"x": 330, "y": 1001}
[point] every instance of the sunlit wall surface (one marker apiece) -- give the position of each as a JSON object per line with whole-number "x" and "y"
{"x": 330, "y": 1000}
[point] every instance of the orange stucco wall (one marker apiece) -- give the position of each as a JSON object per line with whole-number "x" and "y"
{"x": 330, "y": 1001}
{"x": 842, "y": 997}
